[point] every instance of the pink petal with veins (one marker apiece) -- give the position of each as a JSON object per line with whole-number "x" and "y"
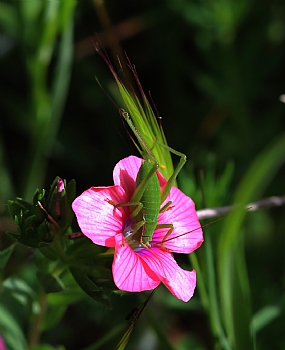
{"x": 187, "y": 234}
{"x": 125, "y": 174}
{"x": 99, "y": 220}
{"x": 146, "y": 268}
{"x": 130, "y": 272}
{"x": 181, "y": 283}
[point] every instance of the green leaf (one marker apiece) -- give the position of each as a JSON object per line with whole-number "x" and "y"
{"x": 5, "y": 255}
{"x": 67, "y": 197}
{"x": 49, "y": 214}
{"x": 18, "y": 206}
{"x": 19, "y": 289}
{"x": 58, "y": 203}
{"x": 50, "y": 283}
{"x": 53, "y": 316}
{"x": 71, "y": 190}
{"x": 68, "y": 296}
{"x": 8, "y": 18}
{"x": 106, "y": 338}
{"x": 47, "y": 347}
{"x": 11, "y": 331}
{"x": 266, "y": 315}
{"x": 234, "y": 284}
{"x": 96, "y": 292}
{"x": 49, "y": 252}
{"x": 33, "y": 227}
{"x": 84, "y": 249}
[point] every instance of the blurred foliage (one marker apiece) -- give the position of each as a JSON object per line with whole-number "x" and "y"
{"x": 215, "y": 72}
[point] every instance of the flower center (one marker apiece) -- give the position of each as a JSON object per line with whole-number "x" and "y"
{"x": 131, "y": 237}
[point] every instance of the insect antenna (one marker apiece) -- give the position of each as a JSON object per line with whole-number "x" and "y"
{"x": 133, "y": 316}
{"x": 186, "y": 233}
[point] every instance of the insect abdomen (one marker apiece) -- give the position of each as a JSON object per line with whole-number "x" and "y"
{"x": 150, "y": 200}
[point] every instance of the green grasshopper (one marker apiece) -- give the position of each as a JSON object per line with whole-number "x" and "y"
{"x": 145, "y": 204}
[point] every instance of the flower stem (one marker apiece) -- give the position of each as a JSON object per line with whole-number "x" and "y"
{"x": 35, "y": 328}
{"x": 59, "y": 249}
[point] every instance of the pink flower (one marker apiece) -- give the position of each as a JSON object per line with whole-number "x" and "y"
{"x": 2, "y": 344}
{"x": 136, "y": 267}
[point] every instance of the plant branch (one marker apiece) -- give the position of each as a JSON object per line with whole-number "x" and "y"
{"x": 263, "y": 203}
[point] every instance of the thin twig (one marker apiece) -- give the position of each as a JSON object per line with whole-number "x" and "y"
{"x": 263, "y": 203}
{"x": 274, "y": 201}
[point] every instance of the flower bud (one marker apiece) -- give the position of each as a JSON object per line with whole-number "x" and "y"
{"x": 49, "y": 215}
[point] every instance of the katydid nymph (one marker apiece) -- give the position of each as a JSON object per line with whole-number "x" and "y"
{"x": 145, "y": 203}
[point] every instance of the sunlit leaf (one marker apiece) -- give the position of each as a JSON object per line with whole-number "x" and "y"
{"x": 17, "y": 286}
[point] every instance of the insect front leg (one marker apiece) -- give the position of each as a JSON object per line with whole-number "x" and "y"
{"x": 134, "y": 212}
{"x": 139, "y": 221}
{"x": 166, "y": 206}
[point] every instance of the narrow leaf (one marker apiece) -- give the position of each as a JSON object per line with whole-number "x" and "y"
{"x": 234, "y": 284}
{"x": 5, "y": 255}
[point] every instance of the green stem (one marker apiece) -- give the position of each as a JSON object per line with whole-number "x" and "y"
{"x": 201, "y": 285}
{"x": 213, "y": 305}
{"x": 59, "y": 249}
{"x": 35, "y": 328}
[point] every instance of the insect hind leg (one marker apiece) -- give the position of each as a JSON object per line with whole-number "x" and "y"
{"x": 168, "y": 233}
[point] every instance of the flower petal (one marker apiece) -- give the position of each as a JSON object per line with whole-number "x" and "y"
{"x": 144, "y": 269}
{"x": 130, "y": 272}
{"x": 187, "y": 234}
{"x": 125, "y": 174}
{"x": 162, "y": 180}
{"x": 181, "y": 283}
{"x": 99, "y": 220}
